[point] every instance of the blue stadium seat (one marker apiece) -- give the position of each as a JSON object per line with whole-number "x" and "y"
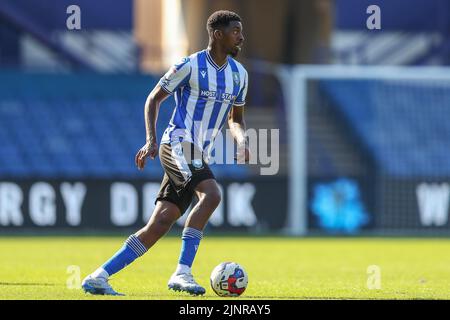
{"x": 403, "y": 125}
{"x": 80, "y": 126}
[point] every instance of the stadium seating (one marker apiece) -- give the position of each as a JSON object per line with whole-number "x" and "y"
{"x": 402, "y": 124}
{"x": 78, "y": 126}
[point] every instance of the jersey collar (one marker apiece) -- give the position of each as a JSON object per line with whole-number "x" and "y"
{"x": 211, "y": 61}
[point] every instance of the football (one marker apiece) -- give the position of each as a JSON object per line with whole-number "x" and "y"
{"x": 229, "y": 279}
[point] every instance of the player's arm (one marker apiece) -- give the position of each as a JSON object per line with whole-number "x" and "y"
{"x": 176, "y": 77}
{"x": 151, "y": 109}
{"x": 236, "y": 122}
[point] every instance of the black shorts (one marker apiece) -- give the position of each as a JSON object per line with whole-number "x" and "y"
{"x": 184, "y": 169}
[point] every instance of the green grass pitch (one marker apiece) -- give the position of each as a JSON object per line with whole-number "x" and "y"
{"x": 278, "y": 268}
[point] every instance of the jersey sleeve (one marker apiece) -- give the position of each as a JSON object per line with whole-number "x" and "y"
{"x": 177, "y": 76}
{"x": 240, "y": 100}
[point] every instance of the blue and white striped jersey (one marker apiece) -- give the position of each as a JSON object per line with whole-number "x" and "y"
{"x": 204, "y": 94}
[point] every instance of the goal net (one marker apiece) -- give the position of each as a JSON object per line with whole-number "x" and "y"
{"x": 368, "y": 149}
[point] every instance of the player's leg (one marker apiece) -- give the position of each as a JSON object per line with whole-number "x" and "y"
{"x": 186, "y": 169}
{"x": 163, "y": 217}
{"x": 209, "y": 197}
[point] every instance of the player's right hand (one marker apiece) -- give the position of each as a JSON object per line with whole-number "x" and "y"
{"x": 148, "y": 150}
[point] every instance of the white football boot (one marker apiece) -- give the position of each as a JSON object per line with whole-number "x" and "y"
{"x": 185, "y": 282}
{"x": 98, "y": 286}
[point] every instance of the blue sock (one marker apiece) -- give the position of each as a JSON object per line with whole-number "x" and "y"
{"x": 131, "y": 250}
{"x": 191, "y": 240}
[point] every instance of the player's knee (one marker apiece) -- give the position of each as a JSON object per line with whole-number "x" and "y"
{"x": 164, "y": 220}
{"x": 213, "y": 197}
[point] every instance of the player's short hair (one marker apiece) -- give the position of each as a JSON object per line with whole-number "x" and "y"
{"x": 220, "y": 19}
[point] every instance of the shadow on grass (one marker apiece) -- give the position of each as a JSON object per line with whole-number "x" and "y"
{"x": 30, "y": 284}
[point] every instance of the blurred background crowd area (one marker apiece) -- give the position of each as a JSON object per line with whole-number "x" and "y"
{"x": 148, "y": 35}
{"x": 65, "y": 89}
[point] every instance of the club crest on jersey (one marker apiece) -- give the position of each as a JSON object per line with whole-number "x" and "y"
{"x": 197, "y": 163}
{"x": 236, "y": 78}
{"x": 179, "y": 151}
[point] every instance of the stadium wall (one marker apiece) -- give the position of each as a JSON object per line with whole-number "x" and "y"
{"x": 251, "y": 205}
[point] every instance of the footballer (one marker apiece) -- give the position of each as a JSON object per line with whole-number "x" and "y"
{"x": 209, "y": 88}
